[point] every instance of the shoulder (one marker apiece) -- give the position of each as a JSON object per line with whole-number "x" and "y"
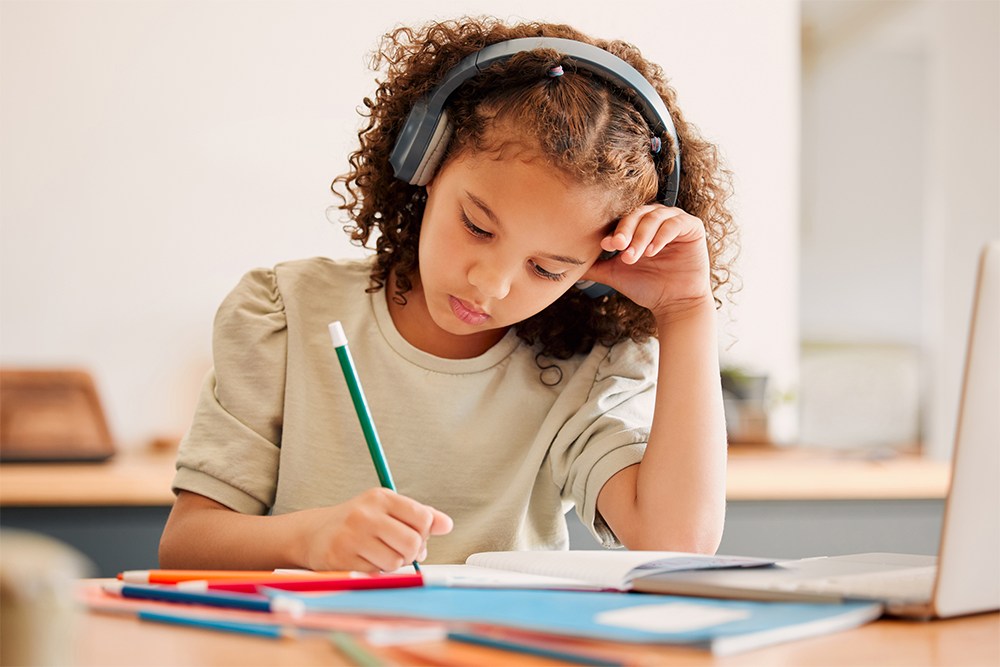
{"x": 324, "y": 269}
{"x": 301, "y": 278}
{"x": 628, "y": 359}
{"x": 321, "y": 275}
{"x": 264, "y": 296}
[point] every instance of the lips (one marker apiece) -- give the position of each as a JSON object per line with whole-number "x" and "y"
{"x": 466, "y": 312}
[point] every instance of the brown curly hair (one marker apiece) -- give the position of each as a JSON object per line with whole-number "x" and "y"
{"x": 588, "y": 130}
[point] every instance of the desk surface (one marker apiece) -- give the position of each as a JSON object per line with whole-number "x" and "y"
{"x": 755, "y": 473}
{"x": 109, "y": 641}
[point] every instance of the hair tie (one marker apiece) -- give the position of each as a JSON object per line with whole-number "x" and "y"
{"x": 556, "y": 71}
{"x": 655, "y": 144}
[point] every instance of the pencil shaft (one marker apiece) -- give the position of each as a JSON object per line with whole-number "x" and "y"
{"x": 177, "y": 576}
{"x": 212, "y": 599}
{"x": 353, "y": 651}
{"x": 339, "y": 584}
{"x": 247, "y": 628}
{"x": 530, "y": 649}
{"x": 365, "y": 417}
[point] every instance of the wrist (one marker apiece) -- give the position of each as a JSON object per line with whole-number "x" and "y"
{"x": 683, "y": 309}
{"x": 293, "y": 537}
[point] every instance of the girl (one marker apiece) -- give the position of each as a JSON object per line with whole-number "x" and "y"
{"x": 503, "y": 392}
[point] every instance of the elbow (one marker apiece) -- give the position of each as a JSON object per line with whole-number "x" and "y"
{"x": 706, "y": 544}
{"x": 701, "y": 535}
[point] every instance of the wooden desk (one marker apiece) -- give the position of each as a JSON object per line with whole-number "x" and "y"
{"x": 783, "y": 502}
{"x": 111, "y": 641}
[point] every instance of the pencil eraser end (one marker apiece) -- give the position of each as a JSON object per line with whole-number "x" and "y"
{"x": 337, "y": 334}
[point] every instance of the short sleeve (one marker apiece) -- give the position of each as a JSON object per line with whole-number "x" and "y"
{"x": 608, "y": 431}
{"x": 230, "y": 453}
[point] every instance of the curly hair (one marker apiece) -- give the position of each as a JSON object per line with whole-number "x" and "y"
{"x": 590, "y": 131}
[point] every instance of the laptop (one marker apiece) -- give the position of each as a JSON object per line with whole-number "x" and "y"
{"x": 965, "y": 576}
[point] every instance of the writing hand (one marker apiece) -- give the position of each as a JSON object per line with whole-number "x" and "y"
{"x": 378, "y": 530}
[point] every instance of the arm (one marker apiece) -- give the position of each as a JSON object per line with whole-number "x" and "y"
{"x": 675, "y": 498}
{"x": 377, "y": 530}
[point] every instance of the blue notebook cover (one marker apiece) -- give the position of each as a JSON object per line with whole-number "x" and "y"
{"x": 722, "y": 626}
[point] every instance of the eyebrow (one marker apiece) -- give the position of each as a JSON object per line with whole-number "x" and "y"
{"x": 488, "y": 212}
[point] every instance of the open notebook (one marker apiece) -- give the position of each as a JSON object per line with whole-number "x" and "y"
{"x": 965, "y": 578}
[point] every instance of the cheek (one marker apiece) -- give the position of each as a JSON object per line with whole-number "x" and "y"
{"x": 437, "y": 250}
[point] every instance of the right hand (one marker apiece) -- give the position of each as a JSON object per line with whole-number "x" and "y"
{"x": 378, "y": 530}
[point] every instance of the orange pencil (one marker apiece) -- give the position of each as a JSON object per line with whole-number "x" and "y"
{"x": 263, "y": 576}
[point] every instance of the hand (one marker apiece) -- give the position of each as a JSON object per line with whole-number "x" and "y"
{"x": 663, "y": 264}
{"x": 378, "y": 530}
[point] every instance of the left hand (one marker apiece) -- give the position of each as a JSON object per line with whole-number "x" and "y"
{"x": 663, "y": 262}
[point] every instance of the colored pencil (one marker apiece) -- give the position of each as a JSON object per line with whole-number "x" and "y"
{"x": 339, "y": 339}
{"x": 531, "y": 649}
{"x": 271, "y": 630}
{"x": 175, "y": 576}
{"x": 172, "y": 594}
{"x": 353, "y": 651}
{"x": 337, "y": 584}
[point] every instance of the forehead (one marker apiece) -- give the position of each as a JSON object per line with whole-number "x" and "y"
{"x": 514, "y": 178}
{"x": 519, "y": 186}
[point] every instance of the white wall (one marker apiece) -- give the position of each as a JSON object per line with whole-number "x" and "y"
{"x": 151, "y": 152}
{"x": 901, "y": 165}
{"x": 963, "y": 197}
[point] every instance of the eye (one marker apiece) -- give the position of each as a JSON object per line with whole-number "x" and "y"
{"x": 475, "y": 231}
{"x": 548, "y": 275}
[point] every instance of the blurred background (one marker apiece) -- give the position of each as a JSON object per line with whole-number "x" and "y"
{"x": 151, "y": 152}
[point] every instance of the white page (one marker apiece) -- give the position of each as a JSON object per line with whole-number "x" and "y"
{"x": 604, "y": 569}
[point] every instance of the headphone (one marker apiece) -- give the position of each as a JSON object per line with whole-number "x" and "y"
{"x": 424, "y": 138}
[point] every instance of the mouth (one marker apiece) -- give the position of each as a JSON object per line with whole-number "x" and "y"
{"x": 466, "y": 312}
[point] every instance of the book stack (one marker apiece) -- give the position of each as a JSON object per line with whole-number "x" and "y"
{"x": 576, "y": 606}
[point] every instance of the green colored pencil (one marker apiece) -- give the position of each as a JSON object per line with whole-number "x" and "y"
{"x": 339, "y": 339}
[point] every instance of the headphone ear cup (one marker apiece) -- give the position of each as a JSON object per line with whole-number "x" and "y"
{"x": 435, "y": 151}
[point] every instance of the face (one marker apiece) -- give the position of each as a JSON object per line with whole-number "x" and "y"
{"x": 501, "y": 239}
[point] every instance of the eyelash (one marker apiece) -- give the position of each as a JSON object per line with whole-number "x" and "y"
{"x": 483, "y": 234}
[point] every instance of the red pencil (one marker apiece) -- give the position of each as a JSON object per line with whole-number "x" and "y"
{"x": 175, "y": 576}
{"x": 351, "y": 583}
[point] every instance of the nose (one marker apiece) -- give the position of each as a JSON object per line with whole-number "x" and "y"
{"x": 491, "y": 279}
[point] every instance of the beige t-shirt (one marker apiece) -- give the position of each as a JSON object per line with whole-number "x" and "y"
{"x": 484, "y": 439}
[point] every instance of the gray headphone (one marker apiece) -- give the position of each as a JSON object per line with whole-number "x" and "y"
{"x": 422, "y": 141}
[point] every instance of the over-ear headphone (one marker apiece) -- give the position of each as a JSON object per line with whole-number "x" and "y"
{"x": 422, "y": 142}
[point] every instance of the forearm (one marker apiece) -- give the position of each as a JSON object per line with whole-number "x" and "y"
{"x": 375, "y": 530}
{"x": 675, "y": 498}
{"x": 202, "y": 534}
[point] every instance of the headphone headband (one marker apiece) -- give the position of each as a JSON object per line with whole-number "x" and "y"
{"x": 422, "y": 141}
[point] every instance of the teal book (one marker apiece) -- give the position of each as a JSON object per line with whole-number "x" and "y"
{"x": 720, "y": 626}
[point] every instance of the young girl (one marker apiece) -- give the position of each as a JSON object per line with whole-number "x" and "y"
{"x": 504, "y": 393}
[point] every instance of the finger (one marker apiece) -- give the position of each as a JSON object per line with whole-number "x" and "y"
{"x": 647, "y": 229}
{"x": 665, "y": 235}
{"x": 621, "y": 238}
{"x": 416, "y": 515}
{"x": 384, "y": 556}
